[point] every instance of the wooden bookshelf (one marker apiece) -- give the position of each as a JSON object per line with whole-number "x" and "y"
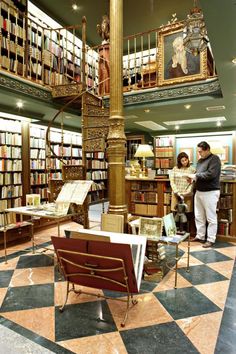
{"x": 226, "y": 211}
{"x": 148, "y": 197}
{"x": 164, "y": 152}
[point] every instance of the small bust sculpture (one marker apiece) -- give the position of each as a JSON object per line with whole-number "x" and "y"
{"x": 104, "y": 29}
{"x": 180, "y": 216}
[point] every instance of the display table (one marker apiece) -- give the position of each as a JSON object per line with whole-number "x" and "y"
{"x": 174, "y": 240}
{"x": 34, "y": 212}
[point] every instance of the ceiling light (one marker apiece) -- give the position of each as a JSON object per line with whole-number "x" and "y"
{"x": 151, "y": 125}
{"x": 75, "y": 7}
{"x": 234, "y": 60}
{"x": 215, "y": 108}
{"x": 187, "y": 106}
{"x": 195, "y": 121}
{"x": 14, "y": 116}
{"x": 68, "y": 117}
{"x": 218, "y": 124}
{"x": 147, "y": 110}
{"x": 19, "y": 104}
{"x": 177, "y": 127}
{"x": 195, "y": 34}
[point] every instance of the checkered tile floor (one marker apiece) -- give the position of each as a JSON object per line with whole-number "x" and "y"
{"x": 197, "y": 317}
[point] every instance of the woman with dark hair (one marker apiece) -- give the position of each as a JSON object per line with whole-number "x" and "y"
{"x": 181, "y": 189}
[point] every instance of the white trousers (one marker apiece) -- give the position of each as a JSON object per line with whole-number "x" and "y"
{"x": 205, "y": 210}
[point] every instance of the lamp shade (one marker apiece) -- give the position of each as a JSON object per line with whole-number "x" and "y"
{"x": 144, "y": 150}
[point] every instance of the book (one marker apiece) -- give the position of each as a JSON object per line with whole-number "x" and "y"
{"x": 112, "y": 222}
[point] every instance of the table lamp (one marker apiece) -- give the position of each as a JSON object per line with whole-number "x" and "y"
{"x": 144, "y": 150}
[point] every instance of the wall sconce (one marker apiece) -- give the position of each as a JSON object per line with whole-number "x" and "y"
{"x": 143, "y": 151}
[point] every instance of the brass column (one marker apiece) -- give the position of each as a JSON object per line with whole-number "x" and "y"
{"x": 116, "y": 136}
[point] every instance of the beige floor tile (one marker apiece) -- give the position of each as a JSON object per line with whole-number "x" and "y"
{"x": 32, "y": 276}
{"x": 202, "y": 331}
{"x": 148, "y": 311}
{"x": 40, "y": 321}
{"x": 216, "y": 292}
{"x": 109, "y": 343}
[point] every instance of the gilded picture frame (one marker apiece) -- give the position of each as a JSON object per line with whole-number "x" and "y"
{"x": 179, "y": 66}
{"x": 151, "y": 228}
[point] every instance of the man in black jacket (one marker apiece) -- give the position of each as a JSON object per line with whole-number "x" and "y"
{"x": 207, "y": 185}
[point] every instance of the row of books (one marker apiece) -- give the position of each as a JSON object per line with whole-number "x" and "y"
{"x": 10, "y": 178}
{"x": 13, "y": 65}
{"x": 37, "y": 142}
{"x": 12, "y": 27}
{"x": 98, "y": 186}
{"x": 37, "y": 154}
{"x": 167, "y": 198}
{"x": 164, "y": 163}
{"x": 38, "y": 178}
{"x": 144, "y": 185}
{"x": 95, "y": 155}
{"x": 9, "y": 203}
{"x": 37, "y": 164}
{"x": 11, "y": 152}
{"x": 97, "y": 164}
{"x": 12, "y": 47}
{"x": 149, "y": 197}
{"x": 11, "y": 191}
{"x": 94, "y": 175}
{"x": 37, "y": 134}
{"x": 9, "y": 138}
{"x": 223, "y": 227}
{"x": 42, "y": 191}
{"x": 164, "y": 141}
{"x": 7, "y": 219}
{"x": 68, "y": 138}
{"x": 226, "y": 188}
{"x": 164, "y": 151}
{"x": 225, "y": 202}
{"x": 67, "y": 151}
{"x": 145, "y": 209}
{"x": 10, "y": 165}
{"x": 12, "y": 126}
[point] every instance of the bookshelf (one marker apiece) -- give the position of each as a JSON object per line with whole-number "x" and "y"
{"x": 38, "y": 173}
{"x": 12, "y": 23}
{"x": 10, "y": 164}
{"x": 97, "y": 171}
{"x": 148, "y": 197}
{"x": 226, "y": 211}
{"x": 164, "y": 153}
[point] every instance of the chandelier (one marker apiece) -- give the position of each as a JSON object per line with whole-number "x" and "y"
{"x": 195, "y": 33}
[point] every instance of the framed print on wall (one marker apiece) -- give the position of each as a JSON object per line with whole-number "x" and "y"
{"x": 176, "y": 65}
{"x": 189, "y": 152}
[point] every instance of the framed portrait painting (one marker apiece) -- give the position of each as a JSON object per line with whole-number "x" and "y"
{"x": 176, "y": 65}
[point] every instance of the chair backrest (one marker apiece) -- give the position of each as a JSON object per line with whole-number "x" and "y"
{"x": 112, "y": 222}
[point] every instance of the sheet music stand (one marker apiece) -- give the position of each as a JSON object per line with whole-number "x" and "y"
{"x": 99, "y": 265}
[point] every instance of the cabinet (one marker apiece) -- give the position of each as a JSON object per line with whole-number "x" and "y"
{"x": 148, "y": 197}
{"x": 164, "y": 153}
{"x": 227, "y": 210}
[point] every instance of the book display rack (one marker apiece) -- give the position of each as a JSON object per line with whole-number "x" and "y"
{"x": 164, "y": 154}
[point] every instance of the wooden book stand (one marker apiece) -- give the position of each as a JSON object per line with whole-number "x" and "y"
{"x": 99, "y": 265}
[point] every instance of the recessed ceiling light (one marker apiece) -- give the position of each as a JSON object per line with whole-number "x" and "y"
{"x": 187, "y": 106}
{"x": 215, "y": 108}
{"x": 68, "y": 117}
{"x": 75, "y": 7}
{"x": 19, "y": 104}
{"x": 147, "y": 110}
{"x": 218, "y": 124}
{"x": 177, "y": 127}
{"x": 234, "y": 60}
{"x": 151, "y": 125}
{"x": 195, "y": 121}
